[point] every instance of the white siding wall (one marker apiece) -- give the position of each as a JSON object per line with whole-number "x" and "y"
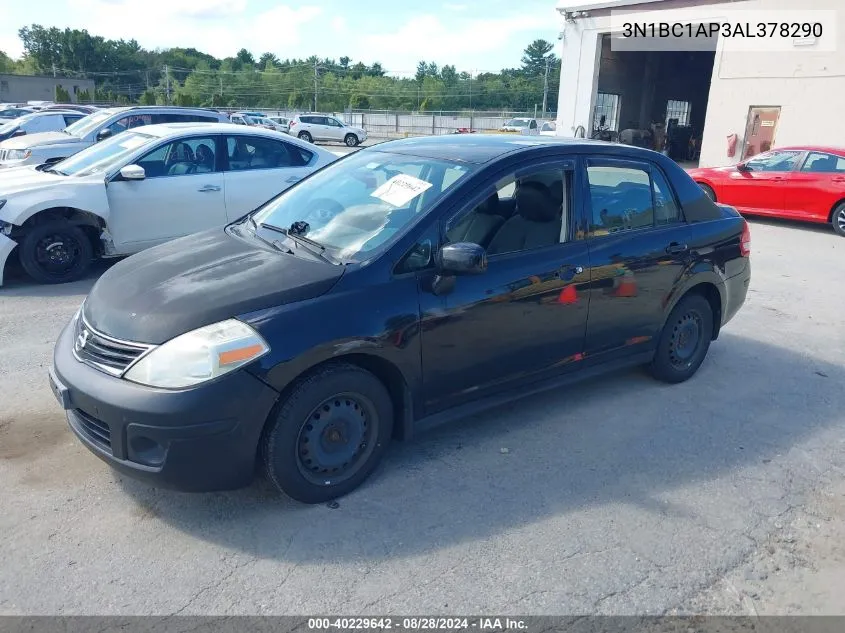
{"x": 809, "y": 86}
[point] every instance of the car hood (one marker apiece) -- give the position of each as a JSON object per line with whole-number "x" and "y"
{"x": 39, "y": 139}
{"x": 15, "y": 180}
{"x": 193, "y": 281}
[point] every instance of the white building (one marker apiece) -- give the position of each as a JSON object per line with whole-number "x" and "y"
{"x": 792, "y": 95}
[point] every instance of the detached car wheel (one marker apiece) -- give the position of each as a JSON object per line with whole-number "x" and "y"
{"x": 684, "y": 340}
{"x": 837, "y": 219}
{"x": 56, "y": 252}
{"x": 329, "y": 435}
{"x": 351, "y": 140}
{"x": 305, "y": 136}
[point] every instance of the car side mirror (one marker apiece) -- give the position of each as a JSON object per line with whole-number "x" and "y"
{"x": 103, "y": 134}
{"x": 132, "y": 172}
{"x": 18, "y": 132}
{"x": 742, "y": 167}
{"x": 461, "y": 258}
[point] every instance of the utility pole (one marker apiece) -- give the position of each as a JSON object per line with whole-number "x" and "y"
{"x": 470, "y": 90}
{"x": 167, "y": 80}
{"x": 546, "y": 87}
{"x": 221, "y": 89}
{"x": 54, "y": 69}
{"x": 315, "y": 84}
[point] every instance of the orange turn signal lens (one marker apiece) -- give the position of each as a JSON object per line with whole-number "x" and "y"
{"x": 238, "y": 355}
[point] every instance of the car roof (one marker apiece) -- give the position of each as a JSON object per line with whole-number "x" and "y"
{"x": 482, "y": 148}
{"x": 839, "y": 151}
{"x": 172, "y": 130}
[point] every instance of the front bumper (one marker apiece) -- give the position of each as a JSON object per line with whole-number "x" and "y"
{"x": 198, "y": 439}
{"x": 7, "y": 245}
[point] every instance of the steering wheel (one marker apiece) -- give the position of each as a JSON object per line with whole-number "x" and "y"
{"x": 323, "y": 210}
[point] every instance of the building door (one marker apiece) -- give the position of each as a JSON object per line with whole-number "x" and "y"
{"x": 760, "y": 130}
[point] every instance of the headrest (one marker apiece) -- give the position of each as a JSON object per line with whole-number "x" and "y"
{"x": 534, "y": 202}
{"x": 490, "y": 206}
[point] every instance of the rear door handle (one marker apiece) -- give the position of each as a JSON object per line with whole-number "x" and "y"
{"x": 208, "y": 188}
{"x": 675, "y": 248}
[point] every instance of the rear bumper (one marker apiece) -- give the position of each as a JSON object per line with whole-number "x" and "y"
{"x": 736, "y": 289}
{"x": 198, "y": 439}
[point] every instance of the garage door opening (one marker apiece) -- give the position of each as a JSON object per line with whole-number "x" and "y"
{"x": 653, "y": 99}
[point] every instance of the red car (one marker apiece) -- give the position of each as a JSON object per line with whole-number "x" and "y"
{"x": 797, "y": 183}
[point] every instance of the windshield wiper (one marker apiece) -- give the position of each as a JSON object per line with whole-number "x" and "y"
{"x": 310, "y": 245}
{"x": 53, "y": 170}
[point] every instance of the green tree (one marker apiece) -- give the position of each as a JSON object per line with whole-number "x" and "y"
{"x": 62, "y": 95}
{"x": 245, "y": 57}
{"x": 268, "y": 58}
{"x": 148, "y": 97}
{"x": 535, "y": 56}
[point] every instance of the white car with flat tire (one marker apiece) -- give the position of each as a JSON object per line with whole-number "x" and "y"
{"x": 141, "y": 188}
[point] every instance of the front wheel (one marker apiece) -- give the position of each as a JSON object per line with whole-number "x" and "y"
{"x": 837, "y": 219}
{"x": 329, "y": 435}
{"x": 351, "y": 140}
{"x": 56, "y": 252}
{"x": 684, "y": 340}
{"x": 305, "y": 136}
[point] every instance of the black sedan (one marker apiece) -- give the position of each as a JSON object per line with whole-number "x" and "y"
{"x": 410, "y": 283}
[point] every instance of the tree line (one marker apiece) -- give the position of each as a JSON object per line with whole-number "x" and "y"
{"x": 125, "y": 72}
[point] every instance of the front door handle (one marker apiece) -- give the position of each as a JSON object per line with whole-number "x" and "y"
{"x": 676, "y": 248}
{"x": 208, "y": 188}
{"x": 293, "y": 179}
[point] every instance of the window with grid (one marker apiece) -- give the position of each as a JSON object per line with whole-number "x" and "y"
{"x": 607, "y": 104}
{"x": 678, "y": 110}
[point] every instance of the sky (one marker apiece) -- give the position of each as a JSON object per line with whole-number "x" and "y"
{"x": 474, "y": 35}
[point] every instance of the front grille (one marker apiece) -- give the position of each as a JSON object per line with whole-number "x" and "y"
{"x": 95, "y": 430}
{"x": 103, "y": 352}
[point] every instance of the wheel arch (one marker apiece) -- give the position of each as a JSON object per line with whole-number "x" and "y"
{"x": 384, "y": 370}
{"x": 833, "y": 209}
{"x": 711, "y": 290}
{"x": 91, "y": 223}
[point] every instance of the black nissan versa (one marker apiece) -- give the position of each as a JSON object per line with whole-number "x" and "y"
{"x": 406, "y": 284}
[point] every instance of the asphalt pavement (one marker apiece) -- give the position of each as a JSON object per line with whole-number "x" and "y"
{"x": 619, "y": 495}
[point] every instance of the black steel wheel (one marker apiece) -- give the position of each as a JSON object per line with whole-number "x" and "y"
{"x": 837, "y": 219}
{"x": 684, "y": 340}
{"x": 56, "y": 252}
{"x": 329, "y": 435}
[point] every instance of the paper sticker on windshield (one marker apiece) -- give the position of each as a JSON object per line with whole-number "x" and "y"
{"x": 133, "y": 142}
{"x": 400, "y": 190}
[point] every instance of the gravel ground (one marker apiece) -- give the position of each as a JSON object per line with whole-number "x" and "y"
{"x": 617, "y": 496}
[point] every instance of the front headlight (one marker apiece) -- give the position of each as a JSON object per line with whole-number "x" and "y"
{"x": 200, "y": 355}
{"x": 18, "y": 154}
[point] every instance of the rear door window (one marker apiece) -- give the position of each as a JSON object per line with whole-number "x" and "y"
{"x": 255, "y": 152}
{"x": 621, "y": 198}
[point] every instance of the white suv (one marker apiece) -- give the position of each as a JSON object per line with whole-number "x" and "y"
{"x": 35, "y": 149}
{"x": 319, "y": 127}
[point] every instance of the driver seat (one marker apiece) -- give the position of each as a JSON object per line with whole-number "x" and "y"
{"x": 536, "y": 223}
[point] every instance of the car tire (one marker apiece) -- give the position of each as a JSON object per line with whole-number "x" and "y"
{"x": 684, "y": 340}
{"x": 837, "y": 219}
{"x": 351, "y": 140}
{"x": 708, "y": 191}
{"x": 56, "y": 252}
{"x": 305, "y": 136}
{"x": 327, "y": 437}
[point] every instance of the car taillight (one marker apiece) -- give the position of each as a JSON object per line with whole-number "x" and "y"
{"x": 745, "y": 241}
{"x": 292, "y": 123}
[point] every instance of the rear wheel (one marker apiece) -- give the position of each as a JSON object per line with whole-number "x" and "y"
{"x": 837, "y": 219}
{"x": 56, "y": 252}
{"x": 684, "y": 340}
{"x": 305, "y": 136}
{"x": 329, "y": 435}
{"x": 708, "y": 191}
{"x": 351, "y": 140}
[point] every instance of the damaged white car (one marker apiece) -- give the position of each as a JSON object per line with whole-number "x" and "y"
{"x": 141, "y": 188}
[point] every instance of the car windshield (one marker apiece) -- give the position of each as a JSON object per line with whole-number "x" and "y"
{"x": 517, "y": 123}
{"x": 359, "y": 203}
{"x": 101, "y": 157}
{"x": 88, "y": 124}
